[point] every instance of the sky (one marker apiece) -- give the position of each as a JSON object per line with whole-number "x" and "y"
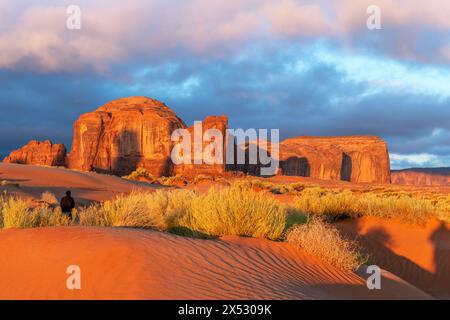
{"x": 304, "y": 67}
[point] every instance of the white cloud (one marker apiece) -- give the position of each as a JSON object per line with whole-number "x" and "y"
{"x": 34, "y": 36}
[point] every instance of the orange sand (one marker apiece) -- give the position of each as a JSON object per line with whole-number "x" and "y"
{"x": 85, "y": 186}
{"x": 126, "y": 263}
{"x": 420, "y": 255}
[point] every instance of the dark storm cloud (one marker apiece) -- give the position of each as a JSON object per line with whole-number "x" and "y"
{"x": 293, "y": 90}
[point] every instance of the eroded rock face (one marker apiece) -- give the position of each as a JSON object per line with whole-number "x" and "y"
{"x": 129, "y": 133}
{"x": 219, "y": 123}
{"x": 43, "y": 153}
{"x": 123, "y": 135}
{"x": 422, "y": 177}
{"x": 355, "y": 159}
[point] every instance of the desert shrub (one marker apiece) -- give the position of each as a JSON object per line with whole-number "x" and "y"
{"x": 202, "y": 178}
{"x": 442, "y": 204}
{"x": 156, "y": 210}
{"x": 92, "y": 216}
{"x": 16, "y": 214}
{"x": 296, "y": 187}
{"x": 323, "y": 241}
{"x": 223, "y": 181}
{"x": 235, "y": 211}
{"x": 50, "y": 217}
{"x": 290, "y": 188}
{"x": 2, "y": 204}
{"x": 141, "y": 174}
{"x": 335, "y": 205}
{"x": 279, "y": 189}
{"x": 261, "y": 185}
{"x": 49, "y": 197}
{"x": 177, "y": 180}
{"x": 138, "y": 209}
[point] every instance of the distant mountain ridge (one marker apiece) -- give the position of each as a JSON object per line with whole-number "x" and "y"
{"x": 439, "y": 176}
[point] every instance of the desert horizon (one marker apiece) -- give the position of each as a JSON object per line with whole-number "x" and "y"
{"x": 223, "y": 159}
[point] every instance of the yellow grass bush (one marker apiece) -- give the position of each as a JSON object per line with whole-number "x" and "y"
{"x": 177, "y": 180}
{"x": 236, "y": 210}
{"x": 141, "y": 174}
{"x": 201, "y": 178}
{"x": 139, "y": 209}
{"x": 51, "y": 217}
{"x": 16, "y": 214}
{"x": 49, "y": 198}
{"x": 323, "y": 241}
{"x": 340, "y": 204}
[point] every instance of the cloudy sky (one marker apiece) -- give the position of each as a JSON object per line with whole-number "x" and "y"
{"x": 306, "y": 67}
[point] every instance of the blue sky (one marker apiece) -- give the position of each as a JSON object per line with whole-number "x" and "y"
{"x": 305, "y": 67}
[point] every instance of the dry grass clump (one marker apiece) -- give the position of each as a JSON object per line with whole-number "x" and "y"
{"x": 16, "y": 213}
{"x": 325, "y": 242}
{"x": 177, "y": 180}
{"x": 258, "y": 185}
{"x": 442, "y": 204}
{"x": 138, "y": 209}
{"x": 291, "y": 188}
{"x": 222, "y": 211}
{"x": 201, "y": 178}
{"x": 141, "y": 174}
{"x": 335, "y": 205}
{"x": 49, "y": 198}
{"x": 235, "y": 211}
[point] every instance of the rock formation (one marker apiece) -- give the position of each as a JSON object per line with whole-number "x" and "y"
{"x": 422, "y": 177}
{"x": 134, "y": 132}
{"x": 355, "y": 159}
{"x": 129, "y": 133}
{"x": 39, "y": 153}
{"x": 123, "y": 135}
{"x": 211, "y": 122}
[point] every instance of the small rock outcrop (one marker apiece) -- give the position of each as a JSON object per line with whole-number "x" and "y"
{"x": 43, "y": 153}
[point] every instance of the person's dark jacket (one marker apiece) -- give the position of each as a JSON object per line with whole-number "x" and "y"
{"x": 67, "y": 204}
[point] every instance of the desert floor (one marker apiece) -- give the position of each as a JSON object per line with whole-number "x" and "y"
{"x": 125, "y": 263}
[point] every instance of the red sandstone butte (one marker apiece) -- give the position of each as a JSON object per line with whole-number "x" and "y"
{"x": 353, "y": 158}
{"x": 123, "y": 135}
{"x": 43, "y": 153}
{"x": 134, "y": 132}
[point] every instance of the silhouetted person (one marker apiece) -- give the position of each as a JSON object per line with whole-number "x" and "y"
{"x": 67, "y": 204}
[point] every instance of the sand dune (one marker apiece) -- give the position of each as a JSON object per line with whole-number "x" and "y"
{"x": 85, "y": 186}
{"x": 127, "y": 263}
{"x": 418, "y": 254}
